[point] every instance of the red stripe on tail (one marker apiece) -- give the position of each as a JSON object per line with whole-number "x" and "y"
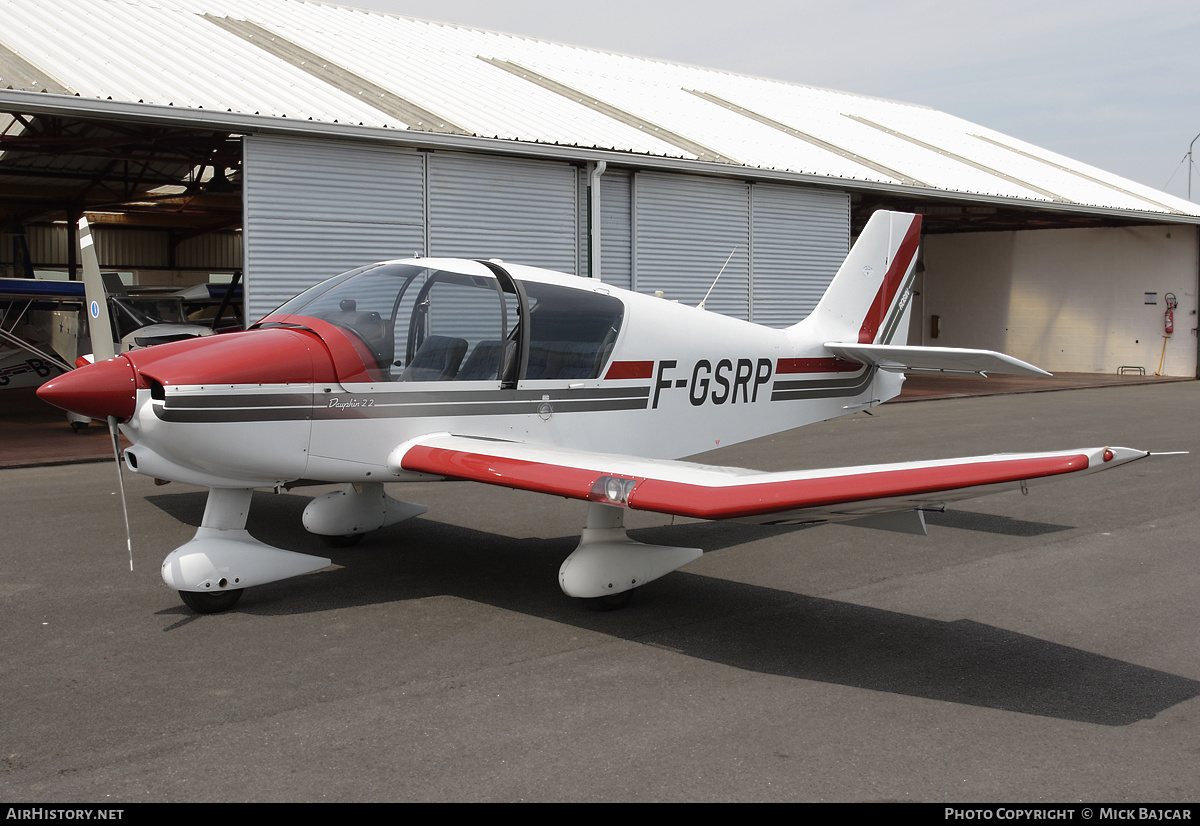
{"x": 891, "y": 283}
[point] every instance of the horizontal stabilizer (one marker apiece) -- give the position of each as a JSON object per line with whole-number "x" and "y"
{"x": 949, "y": 360}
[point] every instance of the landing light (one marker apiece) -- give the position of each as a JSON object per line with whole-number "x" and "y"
{"x": 612, "y": 490}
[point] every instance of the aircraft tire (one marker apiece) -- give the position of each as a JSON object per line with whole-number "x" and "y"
{"x": 347, "y": 540}
{"x": 206, "y": 603}
{"x": 608, "y": 602}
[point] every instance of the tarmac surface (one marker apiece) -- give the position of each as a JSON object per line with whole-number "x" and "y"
{"x": 1040, "y": 648}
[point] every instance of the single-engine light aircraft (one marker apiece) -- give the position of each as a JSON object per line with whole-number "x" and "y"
{"x": 427, "y": 369}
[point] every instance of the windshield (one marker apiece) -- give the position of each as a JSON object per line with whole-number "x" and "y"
{"x": 421, "y": 324}
{"x": 127, "y": 318}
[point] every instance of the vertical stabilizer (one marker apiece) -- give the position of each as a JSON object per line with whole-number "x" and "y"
{"x": 868, "y": 299}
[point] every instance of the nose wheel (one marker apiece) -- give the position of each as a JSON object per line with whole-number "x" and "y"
{"x": 203, "y": 602}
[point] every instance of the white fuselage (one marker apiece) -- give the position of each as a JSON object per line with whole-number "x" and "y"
{"x": 678, "y": 381}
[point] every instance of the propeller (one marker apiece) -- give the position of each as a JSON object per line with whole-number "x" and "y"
{"x": 99, "y": 324}
{"x": 100, "y": 332}
{"x": 116, "y": 440}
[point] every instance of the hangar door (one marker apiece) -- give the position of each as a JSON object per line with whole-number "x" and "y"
{"x": 315, "y": 208}
{"x": 779, "y": 245}
{"x": 800, "y": 238}
{"x": 518, "y": 210}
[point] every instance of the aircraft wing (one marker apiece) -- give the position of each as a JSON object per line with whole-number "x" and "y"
{"x": 712, "y": 492}
{"x": 953, "y": 360}
{"x": 28, "y": 288}
{"x": 20, "y": 295}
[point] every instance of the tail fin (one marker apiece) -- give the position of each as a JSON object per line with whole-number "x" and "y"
{"x": 868, "y": 299}
{"x": 863, "y": 316}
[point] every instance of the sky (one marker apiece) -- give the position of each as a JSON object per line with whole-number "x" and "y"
{"x": 1112, "y": 83}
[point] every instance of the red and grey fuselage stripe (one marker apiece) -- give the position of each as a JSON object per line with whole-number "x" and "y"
{"x": 792, "y": 389}
{"x": 715, "y": 381}
{"x": 292, "y": 404}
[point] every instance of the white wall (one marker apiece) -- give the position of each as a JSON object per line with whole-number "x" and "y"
{"x": 1068, "y": 300}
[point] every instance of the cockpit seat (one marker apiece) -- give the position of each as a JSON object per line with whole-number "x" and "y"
{"x": 484, "y": 361}
{"x": 437, "y": 359}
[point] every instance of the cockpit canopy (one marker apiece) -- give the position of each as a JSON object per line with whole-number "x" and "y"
{"x": 421, "y": 324}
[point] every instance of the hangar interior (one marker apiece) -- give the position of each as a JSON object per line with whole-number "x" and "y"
{"x": 650, "y": 176}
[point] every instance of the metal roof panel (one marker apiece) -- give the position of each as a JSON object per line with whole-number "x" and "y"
{"x": 336, "y": 64}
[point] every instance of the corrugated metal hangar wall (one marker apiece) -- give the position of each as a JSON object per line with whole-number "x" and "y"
{"x": 314, "y": 208}
{"x": 144, "y": 250}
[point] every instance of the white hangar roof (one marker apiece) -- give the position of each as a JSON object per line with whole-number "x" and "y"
{"x": 254, "y": 61}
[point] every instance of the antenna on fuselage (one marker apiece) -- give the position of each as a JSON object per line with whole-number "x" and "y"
{"x": 700, "y": 306}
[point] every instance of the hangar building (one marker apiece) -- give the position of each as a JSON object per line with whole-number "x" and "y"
{"x": 296, "y": 139}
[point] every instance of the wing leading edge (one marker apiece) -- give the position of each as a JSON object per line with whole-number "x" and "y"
{"x": 712, "y": 492}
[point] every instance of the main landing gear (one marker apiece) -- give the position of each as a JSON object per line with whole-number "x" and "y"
{"x": 607, "y": 565}
{"x": 222, "y": 559}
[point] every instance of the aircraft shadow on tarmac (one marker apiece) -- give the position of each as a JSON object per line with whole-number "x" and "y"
{"x": 991, "y": 523}
{"x": 745, "y": 626}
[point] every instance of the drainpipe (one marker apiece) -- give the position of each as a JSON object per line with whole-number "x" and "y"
{"x": 595, "y": 170}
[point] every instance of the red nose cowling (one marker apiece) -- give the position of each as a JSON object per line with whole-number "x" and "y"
{"x": 271, "y": 356}
{"x": 106, "y": 388}
{"x": 267, "y": 356}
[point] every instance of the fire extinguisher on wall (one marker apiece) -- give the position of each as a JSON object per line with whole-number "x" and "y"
{"x": 1168, "y": 327}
